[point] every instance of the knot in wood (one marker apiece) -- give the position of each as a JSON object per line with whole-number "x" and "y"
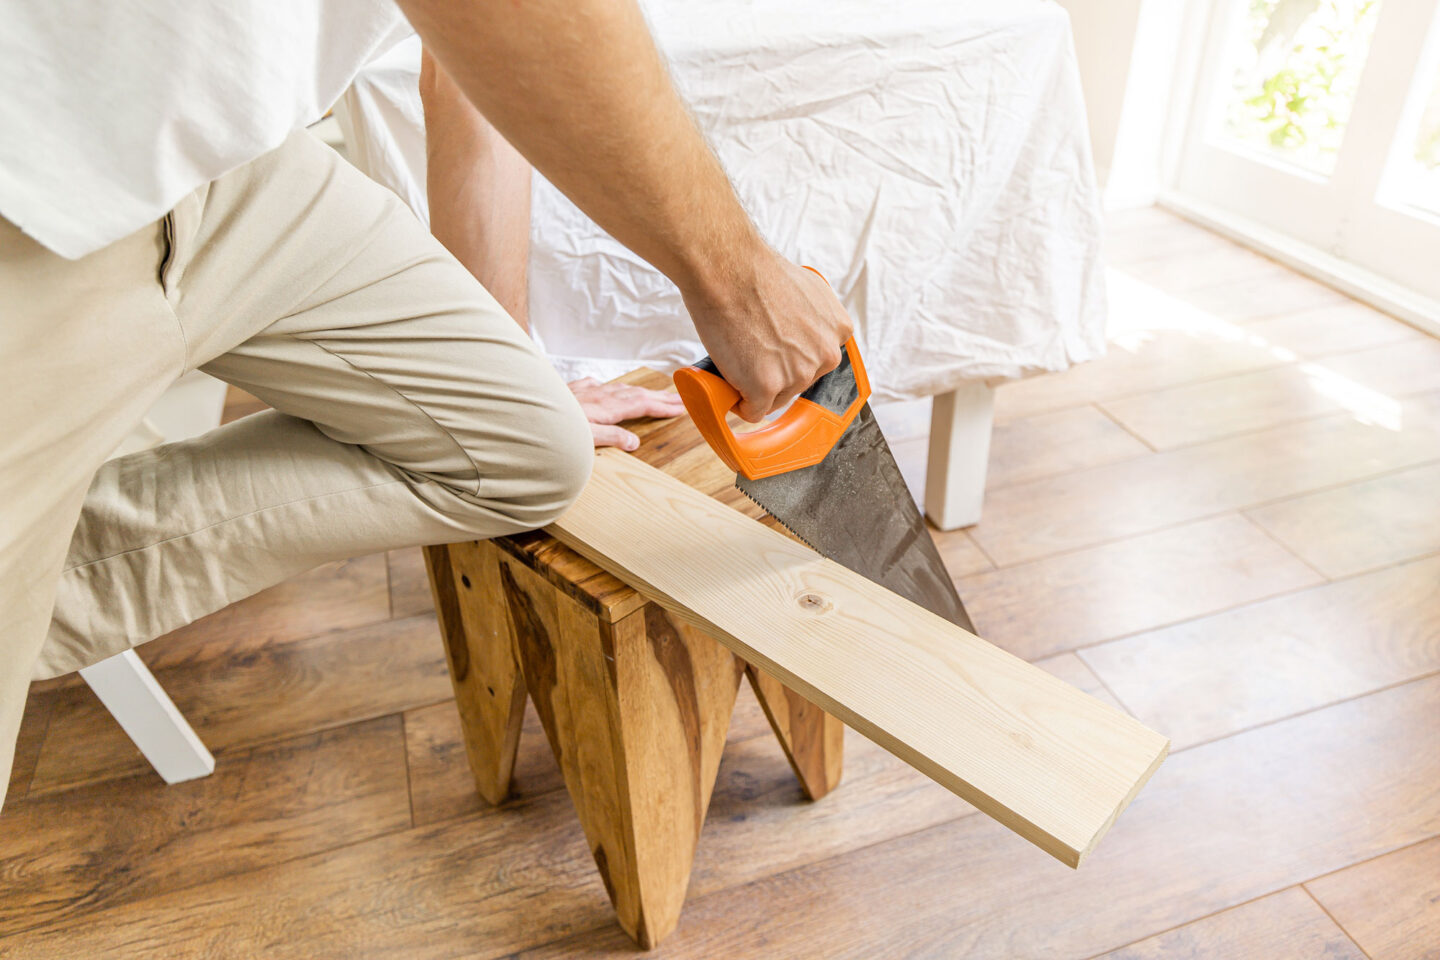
{"x": 813, "y": 602}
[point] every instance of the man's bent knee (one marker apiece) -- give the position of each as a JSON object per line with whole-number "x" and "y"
{"x": 526, "y": 484}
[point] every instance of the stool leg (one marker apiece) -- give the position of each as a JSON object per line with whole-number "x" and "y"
{"x": 480, "y": 648}
{"x": 814, "y": 741}
{"x": 636, "y": 712}
{"x": 960, "y": 425}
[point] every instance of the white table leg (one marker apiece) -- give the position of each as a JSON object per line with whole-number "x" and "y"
{"x": 132, "y": 695}
{"x": 960, "y": 424}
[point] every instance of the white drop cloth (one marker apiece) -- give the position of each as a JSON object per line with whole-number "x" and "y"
{"x": 930, "y": 158}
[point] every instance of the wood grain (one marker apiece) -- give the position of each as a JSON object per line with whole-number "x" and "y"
{"x": 1136, "y": 584}
{"x": 480, "y": 650}
{"x": 1390, "y": 905}
{"x": 1361, "y": 526}
{"x": 282, "y": 690}
{"x": 1050, "y": 762}
{"x": 1029, "y": 520}
{"x": 1288, "y": 925}
{"x": 1220, "y": 825}
{"x": 1074, "y": 671}
{"x": 636, "y": 712}
{"x": 1210, "y": 677}
{"x": 288, "y": 799}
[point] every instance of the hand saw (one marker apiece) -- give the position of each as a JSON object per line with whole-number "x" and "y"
{"x": 824, "y": 470}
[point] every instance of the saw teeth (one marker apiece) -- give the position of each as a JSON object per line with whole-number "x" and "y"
{"x": 775, "y": 518}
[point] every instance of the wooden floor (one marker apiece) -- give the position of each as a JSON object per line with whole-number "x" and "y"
{"x": 1230, "y": 526}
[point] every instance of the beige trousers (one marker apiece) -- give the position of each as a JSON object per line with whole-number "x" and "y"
{"x": 409, "y": 408}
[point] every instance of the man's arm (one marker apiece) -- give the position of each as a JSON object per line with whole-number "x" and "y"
{"x": 580, "y": 90}
{"x": 479, "y": 191}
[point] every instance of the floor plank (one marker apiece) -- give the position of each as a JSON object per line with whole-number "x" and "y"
{"x": 1219, "y": 825}
{"x": 334, "y": 596}
{"x": 281, "y": 690}
{"x": 1198, "y": 412}
{"x": 1030, "y": 520}
{"x": 288, "y": 799}
{"x": 409, "y": 583}
{"x": 1284, "y": 926}
{"x": 33, "y": 724}
{"x": 1220, "y": 263}
{"x": 1360, "y": 526}
{"x": 1136, "y": 584}
{"x": 1390, "y": 905}
{"x": 959, "y": 553}
{"x": 459, "y": 888}
{"x": 1333, "y": 328}
{"x": 1210, "y": 677}
{"x": 1058, "y": 442}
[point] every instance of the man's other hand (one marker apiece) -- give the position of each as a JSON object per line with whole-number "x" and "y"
{"x": 772, "y": 328}
{"x": 606, "y": 404}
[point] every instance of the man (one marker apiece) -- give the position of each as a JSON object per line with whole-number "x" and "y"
{"x": 161, "y": 215}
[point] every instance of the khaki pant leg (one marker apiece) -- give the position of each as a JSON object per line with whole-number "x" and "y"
{"x": 86, "y": 346}
{"x": 411, "y": 409}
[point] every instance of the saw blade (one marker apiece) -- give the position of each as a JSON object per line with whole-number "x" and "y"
{"x": 854, "y": 508}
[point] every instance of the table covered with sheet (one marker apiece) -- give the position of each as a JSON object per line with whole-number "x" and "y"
{"x": 930, "y": 158}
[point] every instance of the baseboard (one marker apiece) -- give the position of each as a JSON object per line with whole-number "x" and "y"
{"x": 1385, "y": 295}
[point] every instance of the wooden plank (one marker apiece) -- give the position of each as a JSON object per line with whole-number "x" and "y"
{"x": 1390, "y": 905}
{"x": 1211, "y": 677}
{"x": 1283, "y": 926}
{"x": 1137, "y": 584}
{"x": 1048, "y": 761}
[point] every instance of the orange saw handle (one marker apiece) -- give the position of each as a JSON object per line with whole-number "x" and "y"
{"x": 801, "y": 437}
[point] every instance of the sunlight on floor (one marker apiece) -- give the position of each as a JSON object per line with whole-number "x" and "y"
{"x": 1139, "y": 312}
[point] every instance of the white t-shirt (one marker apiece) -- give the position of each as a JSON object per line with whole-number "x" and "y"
{"x": 111, "y": 111}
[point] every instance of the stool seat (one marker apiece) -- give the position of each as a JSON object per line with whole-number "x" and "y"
{"x": 635, "y": 703}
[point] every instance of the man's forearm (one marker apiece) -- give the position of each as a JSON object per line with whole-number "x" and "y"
{"x": 479, "y": 190}
{"x": 580, "y": 89}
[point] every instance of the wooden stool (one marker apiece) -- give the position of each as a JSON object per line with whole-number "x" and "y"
{"x": 636, "y": 704}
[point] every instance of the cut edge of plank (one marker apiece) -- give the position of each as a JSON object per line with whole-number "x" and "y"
{"x": 1070, "y": 852}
